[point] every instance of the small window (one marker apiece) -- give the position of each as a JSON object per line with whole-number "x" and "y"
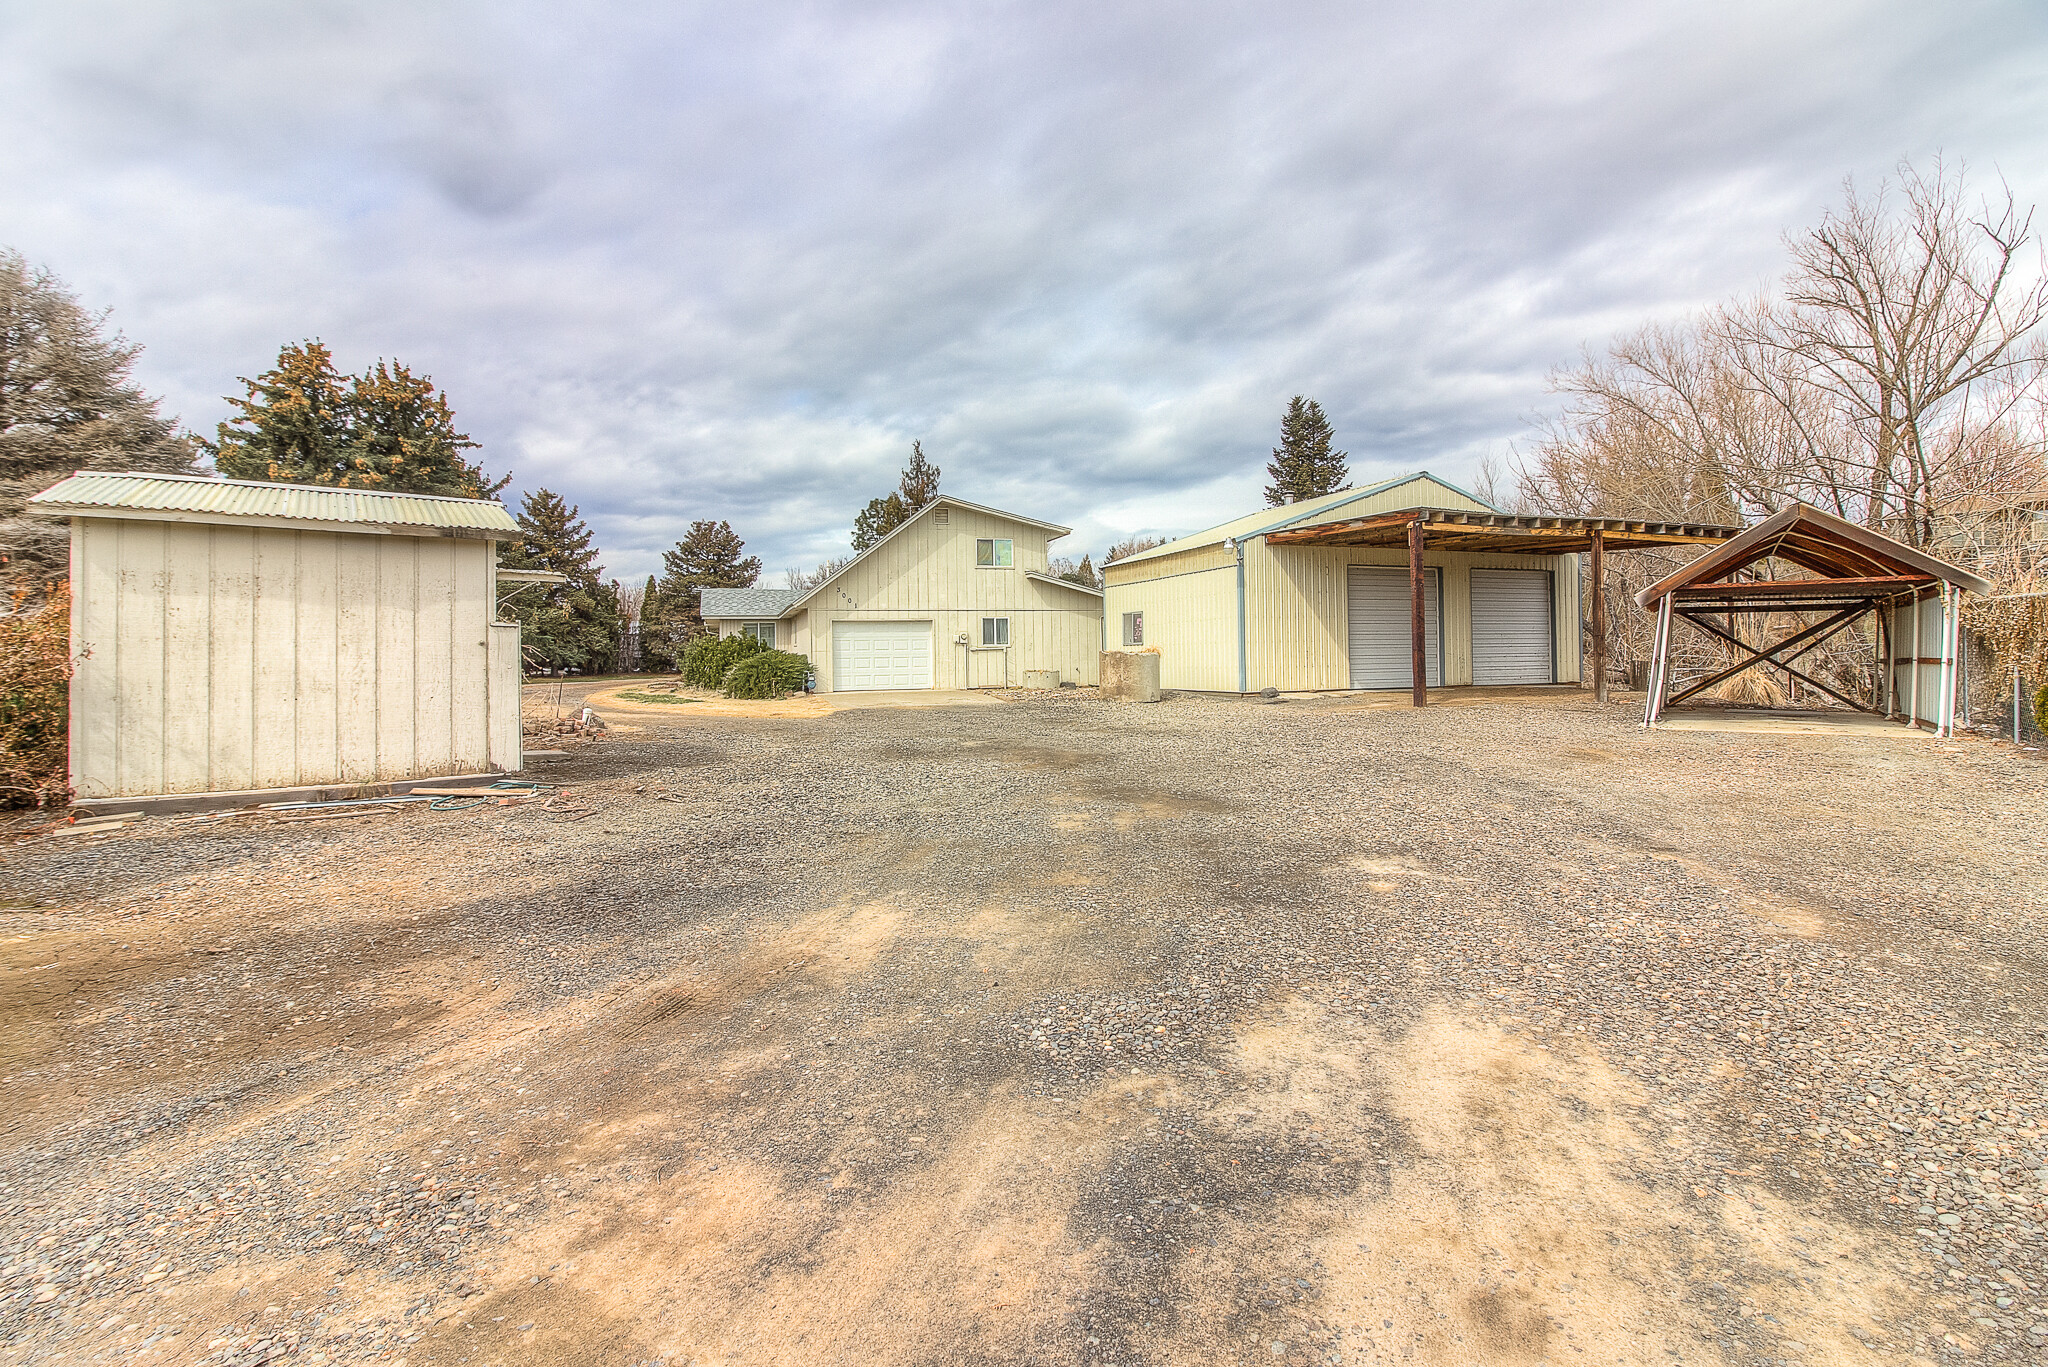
{"x": 995, "y": 631}
{"x": 764, "y": 632}
{"x": 998, "y": 554}
{"x": 1134, "y": 628}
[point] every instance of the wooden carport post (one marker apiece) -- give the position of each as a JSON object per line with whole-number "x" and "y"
{"x": 1599, "y": 556}
{"x": 1418, "y": 656}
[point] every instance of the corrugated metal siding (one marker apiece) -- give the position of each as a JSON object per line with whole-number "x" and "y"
{"x": 927, "y": 572}
{"x": 1907, "y": 648}
{"x": 1514, "y": 639}
{"x": 291, "y": 502}
{"x": 1192, "y": 561}
{"x": 1296, "y": 611}
{"x": 1190, "y": 619}
{"x": 220, "y": 658}
{"x": 1380, "y": 626}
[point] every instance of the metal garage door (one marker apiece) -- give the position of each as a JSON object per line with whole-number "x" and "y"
{"x": 1511, "y": 635}
{"x": 881, "y": 655}
{"x": 1381, "y": 639}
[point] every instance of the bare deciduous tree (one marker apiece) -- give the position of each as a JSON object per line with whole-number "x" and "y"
{"x": 1897, "y": 379}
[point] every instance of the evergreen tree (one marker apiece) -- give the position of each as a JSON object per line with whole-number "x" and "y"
{"x": 920, "y": 482}
{"x": 918, "y": 485}
{"x": 1303, "y": 464}
{"x": 881, "y": 517}
{"x": 1084, "y": 574}
{"x": 302, "y": 422}
{"x": 66, "y": 404}
{"x": 710, "y": 556}
{"x": 572, "y": 625}
{"x": 653, "y": 624}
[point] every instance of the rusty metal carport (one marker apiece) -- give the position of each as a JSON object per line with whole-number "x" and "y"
{"x": 1855, "y": 572}
{"x": 1507, "y": 533}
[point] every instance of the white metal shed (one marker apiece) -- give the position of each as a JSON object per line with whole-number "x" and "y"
{"x": 235, "y": 636}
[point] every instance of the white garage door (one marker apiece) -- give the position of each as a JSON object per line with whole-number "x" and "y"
{"x": 1511, "y": 635}
{"x": 1382, "y": 640}
{"x": 881, "y": 655}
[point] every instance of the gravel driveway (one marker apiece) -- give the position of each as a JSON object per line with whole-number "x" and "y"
{"x": 1054, "y": 1032}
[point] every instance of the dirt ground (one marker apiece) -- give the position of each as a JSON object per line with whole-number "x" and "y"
{"x": 1053, "y": 1031}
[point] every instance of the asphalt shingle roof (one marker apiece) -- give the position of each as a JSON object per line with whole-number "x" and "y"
{"x": 761, "y": 604}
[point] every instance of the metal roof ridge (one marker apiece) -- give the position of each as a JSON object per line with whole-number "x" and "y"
{"x": 263, "y": 484}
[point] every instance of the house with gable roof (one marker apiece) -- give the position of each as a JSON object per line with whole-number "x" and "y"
{"x": 957, "y": 597}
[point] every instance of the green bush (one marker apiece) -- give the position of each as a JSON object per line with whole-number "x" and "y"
{"x": 767, "y": 674}
{"x": 708, "y": 659}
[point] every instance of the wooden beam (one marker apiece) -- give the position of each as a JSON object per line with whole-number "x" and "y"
{"x": 1418, "y": 661}
{"x": 1599, "y": 568}
{"x": 1795, "y": 588}
{"x": 1811, "y": 637}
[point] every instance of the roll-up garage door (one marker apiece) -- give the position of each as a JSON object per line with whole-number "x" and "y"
{"x": 1511, "y": 632}
{"x": 1381, "y": 639}
{"x": 881, "y": 655}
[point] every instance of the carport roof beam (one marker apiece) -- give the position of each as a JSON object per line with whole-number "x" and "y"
{"x": 1456, "y": 529}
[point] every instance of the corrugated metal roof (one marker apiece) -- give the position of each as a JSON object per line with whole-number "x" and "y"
{"x": 229, "y": 499}
{"x": 1272, "y": 519}
{"x": 727, "y": 604}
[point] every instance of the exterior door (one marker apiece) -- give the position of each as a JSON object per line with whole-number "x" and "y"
{"x": 1513, "y": 641}
{"x": 1381, "y": 641}
{"x": 872, "y": 655}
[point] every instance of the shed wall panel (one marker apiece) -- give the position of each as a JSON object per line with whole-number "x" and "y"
{"x": 355, "y": 664}
{"x": 95, "y": 613}
{"x": 231, "y": 701}
{"x": 276, "y": 703}
{"x": 468, "y": 686}
{"x": 397, "y": 614}
{"x": 433, "y": 717}
{"x": 138, "y": 661}
{"x": 221, "y": 657}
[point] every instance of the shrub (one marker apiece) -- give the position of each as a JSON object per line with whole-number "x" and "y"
{"x": 35, "y": 701}
{"x": 708, "y": 659}
{"x": 767, "y": 674}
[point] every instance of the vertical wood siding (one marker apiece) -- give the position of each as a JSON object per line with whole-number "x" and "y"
{"x": 224, "y": 658}
{"x": 927, "y": 572}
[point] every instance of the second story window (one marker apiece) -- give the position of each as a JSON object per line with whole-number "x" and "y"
{"x": 994, "y": 554}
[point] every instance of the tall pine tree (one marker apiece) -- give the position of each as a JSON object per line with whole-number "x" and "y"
{"x": 710, "y": 556}
{"x": 303, "y": 422}
{"x": 918, "y": 485}
{"x": 67, "y": 403}
{"x": 920, "y": 482}
{"x": 1303, "y": 464}
{"x": 572, "y": 625}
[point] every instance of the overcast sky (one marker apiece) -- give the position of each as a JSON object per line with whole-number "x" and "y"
{"x": 681, "y": 261}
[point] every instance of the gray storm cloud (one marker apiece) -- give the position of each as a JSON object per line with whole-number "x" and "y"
{"x": 706, "y": 263}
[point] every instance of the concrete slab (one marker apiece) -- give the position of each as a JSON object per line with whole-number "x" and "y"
{"x": 1787, "y": 722}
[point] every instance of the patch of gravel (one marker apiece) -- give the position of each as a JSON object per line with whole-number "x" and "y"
{"x": 1822, "y": 962}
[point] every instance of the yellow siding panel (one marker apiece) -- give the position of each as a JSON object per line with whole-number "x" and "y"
{"x": 1297, "y": 611}
{"x": 1190, "y": 619}
{"x": 927, "y": 572}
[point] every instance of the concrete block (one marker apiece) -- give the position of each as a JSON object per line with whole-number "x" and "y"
{"x": 1041, "y": 678}
{"x": 1130, "y": 675}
